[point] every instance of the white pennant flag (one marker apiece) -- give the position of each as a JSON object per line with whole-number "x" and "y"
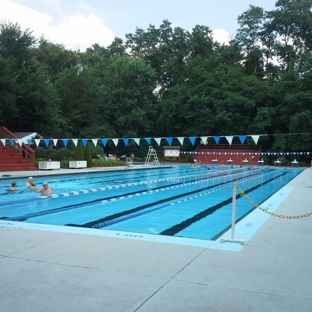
{"x": 137, "y": 141}
{"x": 157, "y": 140}
{"x": 255, "y": 138}
{"x": 3, "y": 141}
{"x": 204, "y": 139}
{"x": 229, "y": 139}
{"x": 95, "y": 141}
{"x": 20, "y": 142}
{"x": 37, "y": 142}
{"x": 55, "y": 142}
{"x": 75, "y": 141}
{"x": 115, "y": 141}
{"x": 181, "y": 140}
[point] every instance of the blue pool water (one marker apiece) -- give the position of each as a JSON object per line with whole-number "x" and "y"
{"x": 179, "y": 201}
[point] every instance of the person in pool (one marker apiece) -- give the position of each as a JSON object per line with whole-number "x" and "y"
{"x": 31, "y": 184}
{"x": 13, "y": 187}
{"x": 45, "y": 190}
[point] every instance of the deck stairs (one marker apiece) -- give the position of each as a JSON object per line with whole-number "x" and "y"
{"x": 14, "y": 154}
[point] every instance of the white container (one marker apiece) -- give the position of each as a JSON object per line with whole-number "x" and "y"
{"x": 49, "y": 165}
{"x": 78, "y": 164}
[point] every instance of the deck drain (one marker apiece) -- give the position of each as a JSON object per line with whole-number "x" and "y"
{"x": 248, "y": 224}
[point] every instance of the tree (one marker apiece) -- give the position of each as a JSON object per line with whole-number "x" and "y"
{"x": 88, "y": 155}
{"x": 248, "y": 37}
{"x": 290, "y": 23}
{"x": 81, "y": 98}
{"x": 78, "y": 152}
{"x": 128, "y": 96}
{"x": 15, "y": 43}
{"x": 54, "y": 57}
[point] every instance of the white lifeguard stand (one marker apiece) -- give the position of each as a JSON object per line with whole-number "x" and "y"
{"x": 151, "y": 158}
{"x": 129, "y": 163}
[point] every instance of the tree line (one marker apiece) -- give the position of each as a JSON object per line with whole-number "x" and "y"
{"x": 166, "y": 81}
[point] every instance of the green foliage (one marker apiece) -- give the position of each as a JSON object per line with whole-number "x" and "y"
{"x": 51, "y": 154}
{"x": 88, "y": 155}
{"x": 63, "y": 153}
{"x": 165, "y": 81}
{"x": 106, "y": 163}
{"x": 78, "y": 153}
{"x": 40, "y": 152}
{"x": 64, "y": 163}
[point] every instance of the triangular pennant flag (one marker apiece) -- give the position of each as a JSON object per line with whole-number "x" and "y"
{"x": 242, "y": 138}
{"x": 84, "y": 142}
{"x": 20, "y": 142}
{"x": 169, "y": 140}
{"x": 148, "y": 140}
{"x": 104, "y": 142}
{"x": 3, "y": 141}
{"x": 29, "y": 141}
{"x": 55, "y": 141}
{"x": 255, "y": 138}
{"x": 94, "y": 141}
{"x": 229, "y": 139}
{"x": 75, "y": 141}
{"x": 157, "y": 140}
{"x": 126, "y": 141}
{"x": 137, "y": 141}
{"x": 46, "y": 142}
{"x": 65, "y": 142}
{"x": 37, "y": 142}
{"x": 115, "y": 141}
{"x": 11, "y": 142}
{"x": 192, "y": 140}
{"x": 204, "y": 139}
{"x": 181, "y": 140}
{"x": 217, "y": 139}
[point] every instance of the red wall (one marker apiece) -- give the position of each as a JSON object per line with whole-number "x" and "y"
{"x": 206, "y": 153}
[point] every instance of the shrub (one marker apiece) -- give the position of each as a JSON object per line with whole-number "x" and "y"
{"x": 87, "y": 155}
{"x": 106, "y": 163}
{"x": 64, "y": 163}
{"x": 96, "y": 150}
{"x": 51, "y": 154}
{"x": 63, "y": 153}
{"x": 78, "y": 153}
{"x": 40, "y": 152}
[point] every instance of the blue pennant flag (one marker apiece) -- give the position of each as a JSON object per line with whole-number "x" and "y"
{"x": 104, "y": 141}
{"x": 192, "y": 140}
{"x": 148, "y": 140}
{"x": 84, "y": 142}
{"x": 217, "y": 139}
{"x": 169, "y": 140}
{"x": 46, "y": 142}
{"x": 242, "y": 138}
{"x": 65, "y": 142}
{"x": 126, "y": 141}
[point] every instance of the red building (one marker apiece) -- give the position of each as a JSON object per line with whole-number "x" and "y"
{"x": 222, "y": 154}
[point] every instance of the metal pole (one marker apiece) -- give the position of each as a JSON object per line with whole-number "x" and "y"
{"x": 233, "y": 211}
{"x": 232, "y": 239}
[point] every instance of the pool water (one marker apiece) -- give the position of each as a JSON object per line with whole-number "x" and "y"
{"x": 179, "y": 201}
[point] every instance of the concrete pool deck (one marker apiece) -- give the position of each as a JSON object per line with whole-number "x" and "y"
{"x": 63, "y": 271}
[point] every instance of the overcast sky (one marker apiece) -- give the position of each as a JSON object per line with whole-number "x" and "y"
{"x": 77, "y": 24}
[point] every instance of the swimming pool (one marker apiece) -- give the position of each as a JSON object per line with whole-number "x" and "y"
{"x": 180, "y": 201}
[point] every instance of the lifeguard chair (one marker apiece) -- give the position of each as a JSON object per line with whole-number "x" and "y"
{"x": 151, "y": 155}
{"x": 129, "y": 163}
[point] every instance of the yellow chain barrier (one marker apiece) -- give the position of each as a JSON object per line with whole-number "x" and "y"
{"x": 269, "y": 212}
